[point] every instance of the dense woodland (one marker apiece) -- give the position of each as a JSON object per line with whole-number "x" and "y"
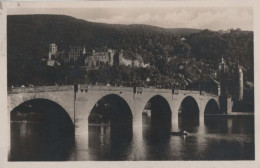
{"x": 176, "y": 56}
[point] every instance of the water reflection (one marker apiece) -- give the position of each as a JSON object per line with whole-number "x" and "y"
{"x": 155, "y": 133}
{"x": 189, "y": 115}
{"x": 156, "y": 140}
{"x": 189, "y": 123}
{"x": 216, "y": 124}
{"x": 31, "y": 142}
{"x": 223, "y": 139}
{"x": 108, "y": 146}
{"x": 40, "y": 130}
{"x": 240, "y": 125}
{"x": 110, "y": 129}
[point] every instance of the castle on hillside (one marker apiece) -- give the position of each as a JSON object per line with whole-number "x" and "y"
{"x": 138, "y": 62}
{"x": 97, "y": 58}
{"x": 75, "y": 53}
{"x": 92, "y": 60}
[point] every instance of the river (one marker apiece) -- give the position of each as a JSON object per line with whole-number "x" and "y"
{"x": 220, "y": 138}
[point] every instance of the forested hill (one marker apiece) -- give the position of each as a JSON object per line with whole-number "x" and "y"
{"x": 29, "y": 36}
{"x": 36, "y": 32}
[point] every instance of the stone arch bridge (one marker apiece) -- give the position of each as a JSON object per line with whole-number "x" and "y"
{"x": 79, "y": 104}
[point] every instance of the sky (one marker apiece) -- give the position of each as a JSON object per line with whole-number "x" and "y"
{"x": 217, "y": 18}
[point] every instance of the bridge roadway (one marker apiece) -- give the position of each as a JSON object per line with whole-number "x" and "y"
{"x": 79, "y": 107}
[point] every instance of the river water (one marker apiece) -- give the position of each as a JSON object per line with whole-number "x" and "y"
{"x": 219, "y": 138}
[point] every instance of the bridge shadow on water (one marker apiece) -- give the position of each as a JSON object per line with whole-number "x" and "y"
{"x": 156, "y": 121}
{"x": 189, "y": 115}
{"x": 216, "y": 124}
{"x": 105, "y": 146}
{"x": 156, "y": 139}
{"x": 110, "y": 128}
{"x": 40, "y": 130}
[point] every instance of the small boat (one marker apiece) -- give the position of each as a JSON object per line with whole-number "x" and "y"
{"x": 180, "y": 133}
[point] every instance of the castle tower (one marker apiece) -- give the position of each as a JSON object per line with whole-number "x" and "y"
{"x": 238, "y": 83}
{"x": 111, "y": 54}
{"x": 52, "y": 53}
{"x": 52, "y": 50}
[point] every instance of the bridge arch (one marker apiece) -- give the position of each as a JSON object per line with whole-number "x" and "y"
{"x": 157, "y": 114}
{"x": 42, "y": 105}
{"x": 189, "y": 114}
{"x": 46, "y": 128}
{"x": 153, "y": 97}
{"x": 212, "y": 107}
{"x": 189, "y": 107}
{"x": 114, "y": 111}
{"x": 63, "y": 99}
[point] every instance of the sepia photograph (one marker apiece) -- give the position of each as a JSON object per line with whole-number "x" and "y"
{"x": 121, "y": 83}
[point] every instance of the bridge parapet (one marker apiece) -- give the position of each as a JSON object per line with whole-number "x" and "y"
{"x": 18, "y": 90}
{"x": 156, "y": 90}
{"x": 84, "y": 87}
{"x": 211, "y": 95}
{"x": 194, "y": 92}
{"x": 105, "y": 88}
{"x": 187, "y": 92}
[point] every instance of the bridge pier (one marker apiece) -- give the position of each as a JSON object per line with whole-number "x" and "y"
{"x": 175, "y": 122}
{"x": 201, "y": 123}
{"x": 81, "y": 117}
{"x": 137, "y": 106}
{"x": 137, "y": 130}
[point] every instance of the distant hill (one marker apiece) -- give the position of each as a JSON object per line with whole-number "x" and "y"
{"x": 175, "y": 31}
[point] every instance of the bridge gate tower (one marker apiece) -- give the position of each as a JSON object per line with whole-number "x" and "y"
{"x": 223, "y": 87}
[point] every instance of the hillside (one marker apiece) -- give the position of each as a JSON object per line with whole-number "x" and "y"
{"x": 29, "y": 37}
{"x": 27, "y": 32}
